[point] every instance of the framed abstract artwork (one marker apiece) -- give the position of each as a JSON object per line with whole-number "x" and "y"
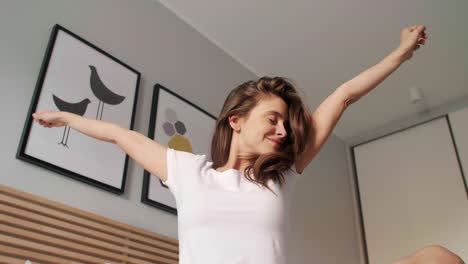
{"x": 82, "y": 79}
{"x": 178, "y": 124}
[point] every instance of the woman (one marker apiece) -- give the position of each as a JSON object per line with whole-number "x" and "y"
{"x": 234, "y": 209}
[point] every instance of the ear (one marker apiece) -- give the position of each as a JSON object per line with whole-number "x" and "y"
{"x": 235, "y": 122}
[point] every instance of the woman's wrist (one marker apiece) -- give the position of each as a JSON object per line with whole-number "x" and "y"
{"x": 399, "y": 55}
{"x": 66, "y": 117}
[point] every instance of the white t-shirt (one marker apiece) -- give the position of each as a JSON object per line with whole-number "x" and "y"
{"x": 223, "y": 218}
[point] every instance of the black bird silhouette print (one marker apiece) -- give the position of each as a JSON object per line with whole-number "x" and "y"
{"x": 100, "y": 90}
{"x": 76, "y": 108}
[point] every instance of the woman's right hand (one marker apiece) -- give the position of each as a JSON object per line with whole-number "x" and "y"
{"x": 49, "y": 118}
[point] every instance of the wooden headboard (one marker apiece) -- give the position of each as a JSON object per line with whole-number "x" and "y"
{"x": 43, "y": 231}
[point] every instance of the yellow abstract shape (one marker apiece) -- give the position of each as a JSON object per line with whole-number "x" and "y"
{"x": 181, "y": 143}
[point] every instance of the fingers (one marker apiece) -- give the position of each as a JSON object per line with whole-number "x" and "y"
{"x": 37, "y": 115}
{"x": 417, "y": 27}
{"x": 39, "y": 112}
{"x": 411, "y": 28}
{"x": 37, "y": 118}
{"x": 422, "y": 36}
{"x": 45, "y": 124}
{"x": 421, "y": 41}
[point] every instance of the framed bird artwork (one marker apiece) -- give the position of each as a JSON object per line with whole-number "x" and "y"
{"x": 178, "y": 124}
{"x": 78, "y": 77}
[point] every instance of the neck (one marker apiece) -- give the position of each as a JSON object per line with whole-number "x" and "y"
{"x": 234, "y": 162}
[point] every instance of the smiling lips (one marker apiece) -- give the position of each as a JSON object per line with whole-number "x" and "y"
{"x": 275, "y": 141}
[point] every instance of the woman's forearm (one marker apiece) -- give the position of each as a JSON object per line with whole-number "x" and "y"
{"x": 98, "y": 129}
{"x": 370, "y": 78}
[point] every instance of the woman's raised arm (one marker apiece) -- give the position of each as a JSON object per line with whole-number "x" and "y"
{"x": 146, "y": 152}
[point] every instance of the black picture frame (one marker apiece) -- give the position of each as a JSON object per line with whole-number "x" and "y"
{"x": 192, "y": 132}
{"x": 78, "y": 77}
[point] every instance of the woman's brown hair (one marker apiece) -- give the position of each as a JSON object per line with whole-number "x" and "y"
{"x": 241, "y": 101}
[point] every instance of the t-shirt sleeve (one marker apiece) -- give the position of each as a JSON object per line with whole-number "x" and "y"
{"x": 181, "y": 166}
{"x": 170, "y": 160}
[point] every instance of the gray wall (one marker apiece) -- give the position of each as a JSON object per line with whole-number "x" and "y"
{"x": 324, "y": 228}
{"x": 143, "y": 34}
{"x": 148, "y": 37}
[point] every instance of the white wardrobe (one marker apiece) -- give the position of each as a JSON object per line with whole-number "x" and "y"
{"x": 412, "y": 189}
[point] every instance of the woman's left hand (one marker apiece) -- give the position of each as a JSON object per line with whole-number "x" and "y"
{"x": 411, "y": 39}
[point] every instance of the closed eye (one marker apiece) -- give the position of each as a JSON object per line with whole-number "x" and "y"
{"x": 272, "y": 121}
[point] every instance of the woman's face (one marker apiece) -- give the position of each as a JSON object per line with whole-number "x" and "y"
{"x": 264, "y": 129}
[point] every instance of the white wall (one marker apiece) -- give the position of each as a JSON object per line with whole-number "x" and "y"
{"x": 459, "y": 124}
{"x": 149, "y": 38}
{"x": 458, "y": 107}
{"x": 412, "y": 192}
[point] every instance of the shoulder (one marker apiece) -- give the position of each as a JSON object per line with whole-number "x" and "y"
{"x": 185, "y": 153}
{"x": 183, "y": 157}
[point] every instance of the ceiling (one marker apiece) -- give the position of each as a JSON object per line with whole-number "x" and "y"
{"x": 323, "y": 43}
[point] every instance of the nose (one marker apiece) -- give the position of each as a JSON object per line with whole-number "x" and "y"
{"x": 281, "y": 131}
